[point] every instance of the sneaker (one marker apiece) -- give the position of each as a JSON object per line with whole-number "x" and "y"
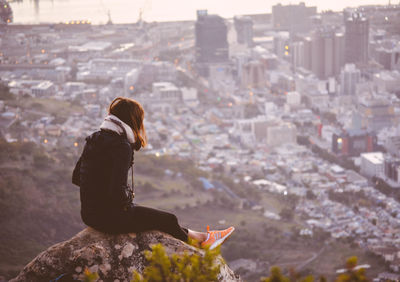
{"x": 216, "y": 238}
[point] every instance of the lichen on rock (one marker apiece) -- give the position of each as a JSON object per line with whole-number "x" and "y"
{"x": 112, "y": 257}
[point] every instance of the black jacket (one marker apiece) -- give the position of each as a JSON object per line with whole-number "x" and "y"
{"x": 102, "y": 174}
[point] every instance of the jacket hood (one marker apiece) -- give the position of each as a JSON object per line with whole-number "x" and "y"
{"x": 114, "y": 124}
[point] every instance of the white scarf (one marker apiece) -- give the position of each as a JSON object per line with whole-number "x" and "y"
{"x": 110, "y": 125}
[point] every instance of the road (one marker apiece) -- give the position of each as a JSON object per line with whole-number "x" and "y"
{"x": 301, "y": 264}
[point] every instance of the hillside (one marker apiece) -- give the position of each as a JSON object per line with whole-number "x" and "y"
{"x": 40, "y": 207}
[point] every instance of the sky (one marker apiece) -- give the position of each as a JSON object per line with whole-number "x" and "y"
{"x": 230, "y": 8}
{"x": 126, "y": 11}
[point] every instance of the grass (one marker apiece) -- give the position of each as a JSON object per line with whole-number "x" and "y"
{"x": 169, "y": 194}
{"x": 271, "y": 203}
{"x": 165, "y": 183}
{"x": 336, "y": 254}
{"x": 47, "y": 105}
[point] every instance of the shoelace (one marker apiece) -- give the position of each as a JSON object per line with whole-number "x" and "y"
{"x": 217, "y": 234}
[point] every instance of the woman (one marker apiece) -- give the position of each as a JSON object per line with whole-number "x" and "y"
{"x": 102, "y": 173}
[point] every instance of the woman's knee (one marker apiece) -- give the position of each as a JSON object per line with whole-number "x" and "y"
{"x": 171, "y": 218}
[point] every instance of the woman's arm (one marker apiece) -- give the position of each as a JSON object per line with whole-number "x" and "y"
{"x": 76, "y": 174}
{"x": 118, "y": 189}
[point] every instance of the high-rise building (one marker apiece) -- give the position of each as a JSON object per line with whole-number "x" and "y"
{"x": 211, "y": 38}
{"x": 293, "y": 18}
{"x": 356, "y": 39}
{"x": 322, "y": 54}
{"x": 349, "y": 77}
{"x": 307, "y": 53}
{"x": 327, "y": 53}
{"x": 244, "y": 30}
{"x": 298, "y": 51}
{"x": 338, "y": 52}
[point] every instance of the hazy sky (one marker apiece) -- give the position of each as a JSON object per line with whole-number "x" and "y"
{"x": 157, "y": 10}
{"x": 228, "y": 8}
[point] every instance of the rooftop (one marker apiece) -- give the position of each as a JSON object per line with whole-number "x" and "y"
{"x": 373, "y": 157}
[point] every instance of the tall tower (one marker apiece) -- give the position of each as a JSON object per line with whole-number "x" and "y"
{"x": 327, "y": 53}
{"x": 338, "y": 53}
{"x": 322, "y": 52}
{"x": 356, "y": 39}
{"x": 211, "y": 38}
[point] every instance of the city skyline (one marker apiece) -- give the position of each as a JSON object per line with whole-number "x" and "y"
{"x": 155, "y": 10}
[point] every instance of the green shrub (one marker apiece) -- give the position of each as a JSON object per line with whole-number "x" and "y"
{"x": 185, "y": 267}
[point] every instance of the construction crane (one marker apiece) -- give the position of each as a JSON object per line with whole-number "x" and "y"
{"x": 146, "y": 6}
{"x": 106, "y": 11}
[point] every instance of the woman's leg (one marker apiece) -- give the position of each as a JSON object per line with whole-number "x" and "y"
{"x": 140, "y": 219}
{"x": 196, "y": 235}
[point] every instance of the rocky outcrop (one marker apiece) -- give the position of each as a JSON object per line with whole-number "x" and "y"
{"x": 113, "y": 257}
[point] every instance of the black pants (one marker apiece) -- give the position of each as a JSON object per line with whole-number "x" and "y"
{"x": 140, "y": 219}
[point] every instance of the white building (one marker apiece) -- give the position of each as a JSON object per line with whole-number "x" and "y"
{"x": 189, "y": 96}
{"x": 293, "y": 98}
{"x": 43, "y": 89}
{"x": 372, "y": 164}
{"x": 261, "y": 130}
{"x": 167, "y": 91}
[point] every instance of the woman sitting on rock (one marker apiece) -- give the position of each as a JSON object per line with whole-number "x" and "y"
{"x": 102, "y": 174}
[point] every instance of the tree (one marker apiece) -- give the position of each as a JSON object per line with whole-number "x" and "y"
{"x": 5, "y": 92}
{"x": 89, "y": 276}
{"x": 185, "y": 267}
{"x": 353, "y": 273}
{"x": 275, "y": 276}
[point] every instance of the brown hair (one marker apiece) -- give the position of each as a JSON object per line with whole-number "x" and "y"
{"x": 132, "y": 113}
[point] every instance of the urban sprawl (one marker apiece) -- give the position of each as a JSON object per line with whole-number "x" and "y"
{"x": 292, "y": 102}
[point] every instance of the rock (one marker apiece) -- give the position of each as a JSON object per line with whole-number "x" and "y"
{"x": 113, "y": 257}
